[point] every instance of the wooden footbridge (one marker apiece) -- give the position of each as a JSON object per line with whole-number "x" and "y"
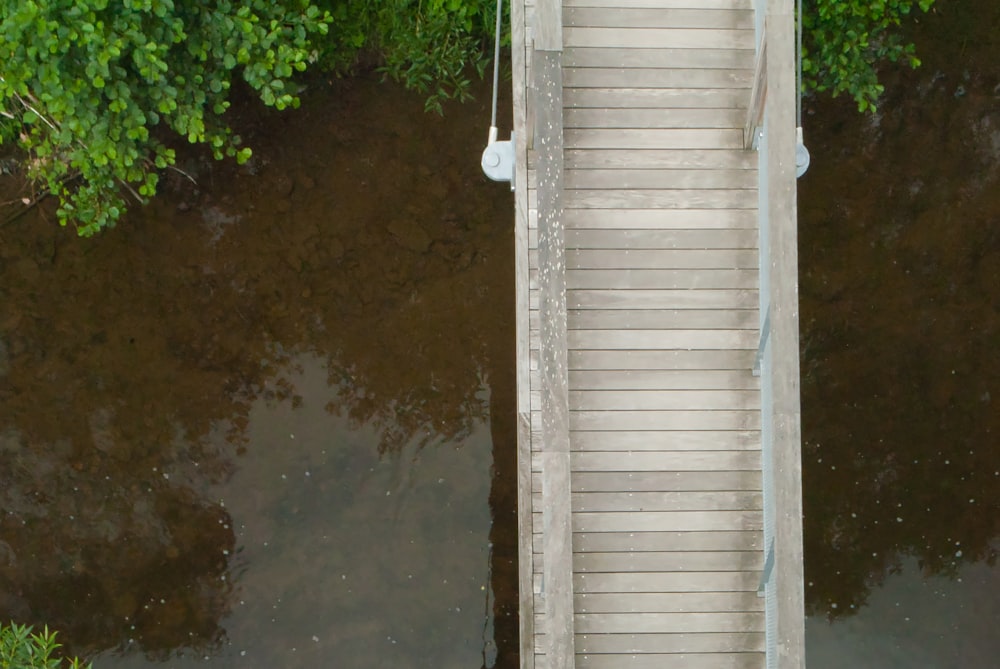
{"x": 657, "y": 325}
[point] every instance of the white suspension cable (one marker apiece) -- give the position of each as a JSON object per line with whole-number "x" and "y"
{"x": 496, "y": 72}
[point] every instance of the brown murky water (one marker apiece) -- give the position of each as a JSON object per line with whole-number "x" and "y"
{"x": 900, "y": 317}
{"x": 268, "y": 421}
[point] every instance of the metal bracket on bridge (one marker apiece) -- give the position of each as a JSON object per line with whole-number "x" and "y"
{"x": 498, "y": 158}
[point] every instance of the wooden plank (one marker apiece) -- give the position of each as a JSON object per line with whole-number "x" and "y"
{"x": 655, "y": 379}
{"x": 655, "y": 602}
{"x": 664, "y": 420}
{"x": 726, "y": 540}
{"x": 653, "y": 118}
{"x": 665, "y": 481}
{"x": 672, "y": 4}
{"x": 659, "y": 339}
{"x": 660, "y": 239}
{"x": 548, "y": 25}
{"x": 645, "y": 319}
{"x": 656, "y": 98}
{"x": 642, "y": 17}
{"x": 655, "y": 138}
{"x": 707, "y": 461}
{"x": 660, "y": 178}
{"x": 520, "y": 78}
{"x": 726, "y": 642}
{"x": 710, "y": 660}
{"x": 609, "y": 77}
{"x": 659, "y": 159}
{"x": 665, "y": 259}
{"x": 648, "y": 561}
{"x": 725, "y": 58}
{"x": 688, "y": 500}
{"x": 675, "y": 440}
{"x": 663, "y": 400}
{"x": 662, "y": 461}
{"x": 742, "y": 360}
{"x": 556, "y": 509}
{"x": 713, "y": 581}
{"x": 669, "y": 623}
{"x": 666, "y": 219}
{"x": 662, "y": 279}
{"x": 666, "y": 299}
{"x": 667, "y": 521}
{"x": 668, "y": 199}
{"x": 670, "y": 38}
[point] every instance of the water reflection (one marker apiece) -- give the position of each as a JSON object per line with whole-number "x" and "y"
{"x": 350, "y": 287}
{"x": 900, "y": 287}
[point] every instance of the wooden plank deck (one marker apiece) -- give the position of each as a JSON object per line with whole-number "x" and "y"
{"x": 653, "y": 296}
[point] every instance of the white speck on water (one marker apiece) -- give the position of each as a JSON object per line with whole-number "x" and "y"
{"x": 315, "y": 638}
{"x": 308, "y": 473}
{"x": 388, "y": 492}
{"x": 166, "y": 475}
{"x": 283, "y": 477}
{"x": 972, "y": 500}
{"x": 898, "y": 519}
{"x": 243, "y": 653}
{"x": 958, "y": 554}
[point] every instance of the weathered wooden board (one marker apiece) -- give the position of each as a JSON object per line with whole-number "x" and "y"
{"x": 610, "y": 77}
{"x": 594, "y": 360}
{"x": 713, "y": 581}
{"x": 733, "y": 642}
{"x": 611, "y": 240}
{"x": 688, "y": 500}
{"x": 656, "y": 98}
{"x": 653, "y": 118}
{"x": 659, "y": 179}
{"x": 717, "y": 198}
{"x": 645, "y": 319}
{"x": 684, "y": 660}
{"x": 663, "y": 400}
{"x": 658, "y": 340}
{"x": 656, "y": 379}
{"x": 655, "y": 138}
{"x": 675, "y": 440}
{"x": 727, "y": 540}
{"x": 662, "y": 38}
{"x": 662, "y": 219}
{"x": 649, "y": 561}
{"x": 641, "y": 17}
{"x": 669, "y": 623}
{"x": 660, "y": 461}
{"x": 671, "y": 4}
{"x": 725, "y": 58}
{"x": 662, "y": 279}
{"x": 663, "y": 481}
{"x": 617, "y": 158}
{"x": 655, "y": 602}
{"x": 663, "y": 259}
{"x": 705, "y": 461}
{"x": 632, "y": 298}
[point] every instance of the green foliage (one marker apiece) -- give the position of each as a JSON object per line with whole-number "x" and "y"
{"x": 85, "y": 83}
{"x": 21, "y": 648}
{"x": 428, "y": 45}
{"x": 845, "y": 40}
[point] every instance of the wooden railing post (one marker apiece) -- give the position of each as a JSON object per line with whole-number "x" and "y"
{"x": 557, "y": 532}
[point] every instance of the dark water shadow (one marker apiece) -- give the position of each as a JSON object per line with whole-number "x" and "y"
{"x": 361, "y": 244}
{"x": 900, "y": 297}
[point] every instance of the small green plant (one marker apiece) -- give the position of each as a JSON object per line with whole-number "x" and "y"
{"x": 846, "y": 40}
{"x": 23, "y": 648}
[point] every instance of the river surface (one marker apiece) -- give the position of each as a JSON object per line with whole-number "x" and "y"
{"x": 899, "y": 237}
{"x": 268, "y": 421}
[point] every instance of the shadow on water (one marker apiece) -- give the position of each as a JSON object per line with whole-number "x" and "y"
{"x": 900, "y": 287}
{"x": 269, "y": 419}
